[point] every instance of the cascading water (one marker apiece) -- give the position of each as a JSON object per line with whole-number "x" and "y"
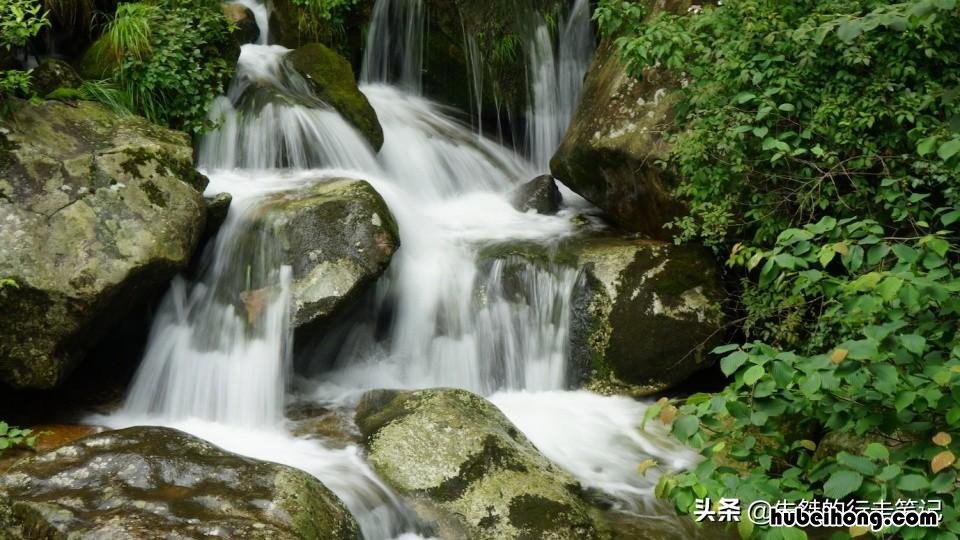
{"x": 497, "y": 327}
{"x": 555, "y": 78}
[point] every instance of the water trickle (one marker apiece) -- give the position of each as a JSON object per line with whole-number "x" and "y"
{"x": 555, "y": 77}
{"x": 394, "y": 52}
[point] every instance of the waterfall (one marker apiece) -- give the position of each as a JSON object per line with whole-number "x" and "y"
{"x": 394, "y": 52}
{"x": 218, "y": 362}
{"x": 555, "y": 78}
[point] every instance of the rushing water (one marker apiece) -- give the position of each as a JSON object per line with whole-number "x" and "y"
{"x": 497, "y": 327}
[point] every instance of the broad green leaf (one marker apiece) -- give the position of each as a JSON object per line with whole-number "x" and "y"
{"x": 912, "y": 482}
{"x": 753, "y": 375}
{"x": 841, "y": 484}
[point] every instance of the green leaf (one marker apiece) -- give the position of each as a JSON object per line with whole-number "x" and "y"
{"x": 949, "y": 149}
{"x": 877, "y": 451}
{"x": 927, "y": 146}
{"x": 685, "y": 426}
{"x": 732, "y": 362}
{"x": 858, "y": 463}
{"x": 913, "y": 343}
{"x": 912, "y": 482}
{"x": 848, "y": 30}
{"x": 841, "y": 484}
{"x": 904, "y": 400}
{"x": 753, "y": 375}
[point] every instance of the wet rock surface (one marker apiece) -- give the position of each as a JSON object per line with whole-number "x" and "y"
{"x": 338, "y": 236}
{"x": 610, "y": 154}
{"x": 152, "y": 482}
{"x": 97, "y": 213}
{"x": 540, "y": 194}
{"x": 243, "y": 19}
{"x": 469, "y": 469}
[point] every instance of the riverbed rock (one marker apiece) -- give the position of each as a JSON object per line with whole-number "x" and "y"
{"x": 51, "y": 74}
{"x": 455, "y": 453}
{"x": 611, "y": 153}
{"x": 540, "y": 194}
{"x": 644, "y": 313}
{"x": 154, "y": 482}
{"x": 338, "y": 236}
{"x": 648, "y": 312}
{"x": 333, "y": 81}
{"x": 97, "y": 212}
{"x": 246, "y": 29}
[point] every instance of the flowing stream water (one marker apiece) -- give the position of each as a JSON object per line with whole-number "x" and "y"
{"x": 208, "y": 372}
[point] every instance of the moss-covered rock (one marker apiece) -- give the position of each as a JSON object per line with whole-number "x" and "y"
{"x": 97, "y": 211}
{"x": 644, "y": 313}
{"x": 334, "y": 83}
{"x": 52, "y": 74}
{"x": 152, "y": 482}
{"x": 338, "y": 236}
{"x": 611, "y": 153}
{"x": 455, "y": 453}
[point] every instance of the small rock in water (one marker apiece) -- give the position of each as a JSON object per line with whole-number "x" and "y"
{"x": 540, "y": 194}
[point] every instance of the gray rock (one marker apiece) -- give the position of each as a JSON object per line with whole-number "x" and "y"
{"x": 97, "y": 211}
{"x": 468, "y": 469}
{"x": 217, "y": 209}
{"x": 540, "y": 194}
{"x": 338, "y": 236}
{"x": 154, "y": 482}
{"x": 610, "y": 154}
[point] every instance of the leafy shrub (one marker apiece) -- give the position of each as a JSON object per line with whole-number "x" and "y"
{"x": 172, "y": 58}
{"x": 20, "y": 20}
{"x": 13, "y": 437}
{"x": 819, "y": 145}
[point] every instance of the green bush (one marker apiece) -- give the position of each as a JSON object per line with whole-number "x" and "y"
{"x": 13, "y": 437}
{"x": 20, "y": 20}
{"x": 818, "y": 149}
{"x": 171, "y": 57}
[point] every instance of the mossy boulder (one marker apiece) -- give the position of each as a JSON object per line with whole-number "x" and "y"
{"x": 52, "y": 74}
{"x": 611, "y": 153}
{"x": 466, "y": 466}
{"x": 97, "y": 212}
{"x": 245, "y": 24}
{"x": 334, "y": 83}
{"x": 338, "y": 236}
{"x": 153, "y": 482}
{"x": 644, "y": 313}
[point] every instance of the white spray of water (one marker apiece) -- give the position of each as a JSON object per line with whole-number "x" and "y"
{"x": 394, "y": 52}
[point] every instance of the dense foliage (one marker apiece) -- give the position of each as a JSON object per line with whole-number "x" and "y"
{"x": 170, "y": 57}
{"x": 20, "y": 20}
{"x": 819, "y": 145}
{"x": 325, "y": 21}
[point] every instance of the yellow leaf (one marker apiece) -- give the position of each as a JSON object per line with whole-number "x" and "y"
{"x": 941, "y": 461}
{"x": 646, "y": 465}
{"x": 668, "y": 414}
{"x": 858, "y": 530}
{"x": 808, "y": 444}
{"x": 841, "y": 248}
{"x": 942, "y": 439}
{"x": 838, "y": 355}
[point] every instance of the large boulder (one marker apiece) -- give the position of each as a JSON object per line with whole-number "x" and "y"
{"x": 338, "y": 236}
{"x": 469, "y": 469}
{"x": 611, "y": 153}
{"x": 97, "y": 211}
{"x": 333, "y": 82}
{"x": 540, "y": 195}
{"x": 643, "y": 315}
{"x": 153, "y": 482}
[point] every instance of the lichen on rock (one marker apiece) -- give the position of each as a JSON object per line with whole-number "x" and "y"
{"x": 97, "y": 211}
{"x": 454, "y": 452}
